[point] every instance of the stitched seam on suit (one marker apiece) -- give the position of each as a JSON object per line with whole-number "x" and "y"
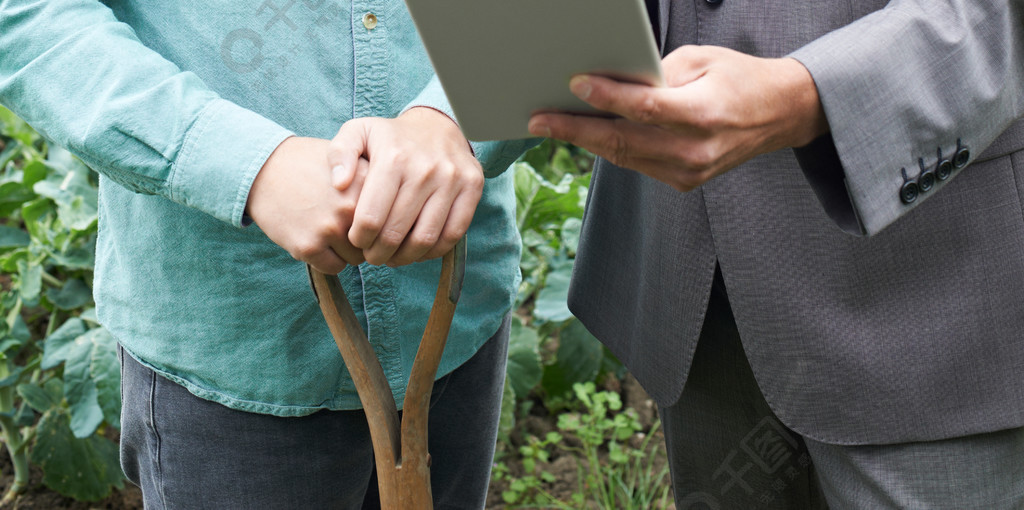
{"x": 1016, "y": 180}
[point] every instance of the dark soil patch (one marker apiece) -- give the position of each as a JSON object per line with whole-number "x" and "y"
{"x": 38, "y": 497}
{"x": 565, "y": 466}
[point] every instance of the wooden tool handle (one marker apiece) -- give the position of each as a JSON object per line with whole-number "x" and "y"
{"x": 400, "y": 448}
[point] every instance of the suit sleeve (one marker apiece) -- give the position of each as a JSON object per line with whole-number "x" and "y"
{"x": 913, "y": 93}
{"x": 86, "y": 82}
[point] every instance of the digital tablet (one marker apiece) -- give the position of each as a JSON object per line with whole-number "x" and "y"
{"x": 501, "y": 60}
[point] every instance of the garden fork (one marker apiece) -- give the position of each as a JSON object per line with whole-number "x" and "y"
{"x": 399, "y": 446}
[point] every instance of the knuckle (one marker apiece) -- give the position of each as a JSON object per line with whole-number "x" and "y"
{"x": 397, "y": 160}
{"x": 699, "y": 158}
{"x": 440, "y": 172}
{"x": 347, "y": 207}
{"x": 391, "y": 238}
{"x": 475, "y": 179}
{"x": 618, "y": 150}
{"x": 368, "y": 223}
{"x": 708, "y": 118}
{"x": 422, "y": 241}
{"x": 648, "y": 110}
{"x": 450, "y": 237}
{"x": 305, "y": 249}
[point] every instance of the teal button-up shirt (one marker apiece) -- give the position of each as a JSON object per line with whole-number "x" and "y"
{"x": 178, "y": 105}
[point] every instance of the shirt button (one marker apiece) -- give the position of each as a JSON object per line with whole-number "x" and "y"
{"x": 369, "y": 20}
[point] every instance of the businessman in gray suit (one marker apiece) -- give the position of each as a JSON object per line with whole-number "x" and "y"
{"x": 809, "y": 248}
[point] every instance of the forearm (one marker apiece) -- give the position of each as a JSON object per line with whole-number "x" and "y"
{"x": 82, "y": 78}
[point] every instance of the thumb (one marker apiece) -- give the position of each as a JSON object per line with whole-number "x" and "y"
{"x": 685, "y": 64}
{"x": 344, "y": 152}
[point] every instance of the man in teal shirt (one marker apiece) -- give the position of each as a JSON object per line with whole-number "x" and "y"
{"x": 233, "y": 388}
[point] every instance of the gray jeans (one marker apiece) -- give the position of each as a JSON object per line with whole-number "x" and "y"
{"x": 189, "y": 453}
{"x": 728, "y": 450}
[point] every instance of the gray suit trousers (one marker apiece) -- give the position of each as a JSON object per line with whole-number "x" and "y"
{"x": 728, "y": 450}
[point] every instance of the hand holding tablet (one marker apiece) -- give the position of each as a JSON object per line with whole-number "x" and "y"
{"x": 499, "y": 61}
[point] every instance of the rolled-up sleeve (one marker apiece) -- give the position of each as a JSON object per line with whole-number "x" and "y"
{"x": 86, "y": 82}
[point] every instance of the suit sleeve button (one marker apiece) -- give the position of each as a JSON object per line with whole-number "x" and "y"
{"x": 960, "y": 160}
{"x": 943, "y": 169}
{"x": 926, "y": 179}
{"x": 909, "y": 192}
{"x": 961, "y": 156}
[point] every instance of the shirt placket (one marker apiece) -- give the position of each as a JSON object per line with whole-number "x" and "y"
{"x": 369, "y": 21}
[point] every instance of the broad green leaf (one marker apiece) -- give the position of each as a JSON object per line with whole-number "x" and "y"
{"x": 539, "y": 156}
{"x": 57, "y": 346}
{"x": 8, "y": 345}
{"x": 562, "y": 163}
{"x": 527, "y": 183}
{"x": 9, "y": 263}
{"x": 14, "y": 127}
{"x": 571, "y": 235}
{"x": 12, "y": 196}
{"x": 12, "y": 379}
{"x": 34, "y": 172}
{"x": 35, "y": 209}
{"x": 551, "y": 304}
{"x": 80, "y": 215}
{"x": 36, "y": 397}
{"x": 84, "y": 406}
{"x": 611, "y": 365}
{"x": 86, "y": 374}
{"x": 74, "y": 195}
{"x": 24, "y": 417}
{"x": 532, "y": 238}
{"x": 74, "y": 294}
{"x": 19, "y": 330}
{"x": 552, "y": 204}
{"x": 64, "y": 162}
{"x": 578, "y": 360}
{"x": 30, "y": 280}
{"x": 84, "y": 469}
{"x": 13, "y": 237}
{"x": 524, "y": 367}
{"x": 78, "y": 257}
{"x": 89, "y": 315}
{"x": 105, "y": 371}
{"x": 55, "y": 387}
{"x": 12, "y": 150}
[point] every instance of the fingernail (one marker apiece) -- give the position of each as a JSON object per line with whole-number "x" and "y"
{"x": 580, "y": 85}
{"x": 539, "y": 128}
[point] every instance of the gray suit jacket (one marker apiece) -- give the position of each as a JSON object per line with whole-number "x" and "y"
{"x": 875, "y": 307}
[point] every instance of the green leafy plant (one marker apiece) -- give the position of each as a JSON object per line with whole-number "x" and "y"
{"x": 628, "y": 479}
{"x": 527, "y": 491}
{"x": 59, "y": 373}
{"x": 611, "y": 473}
{"x": 551, "y": 184}
{"x": 550, "y": 351}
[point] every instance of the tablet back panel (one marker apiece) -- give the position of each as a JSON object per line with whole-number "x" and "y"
{"x": 501, "y": 60}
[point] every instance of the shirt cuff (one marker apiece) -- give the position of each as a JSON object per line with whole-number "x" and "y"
{"x": 222, "y": 153}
